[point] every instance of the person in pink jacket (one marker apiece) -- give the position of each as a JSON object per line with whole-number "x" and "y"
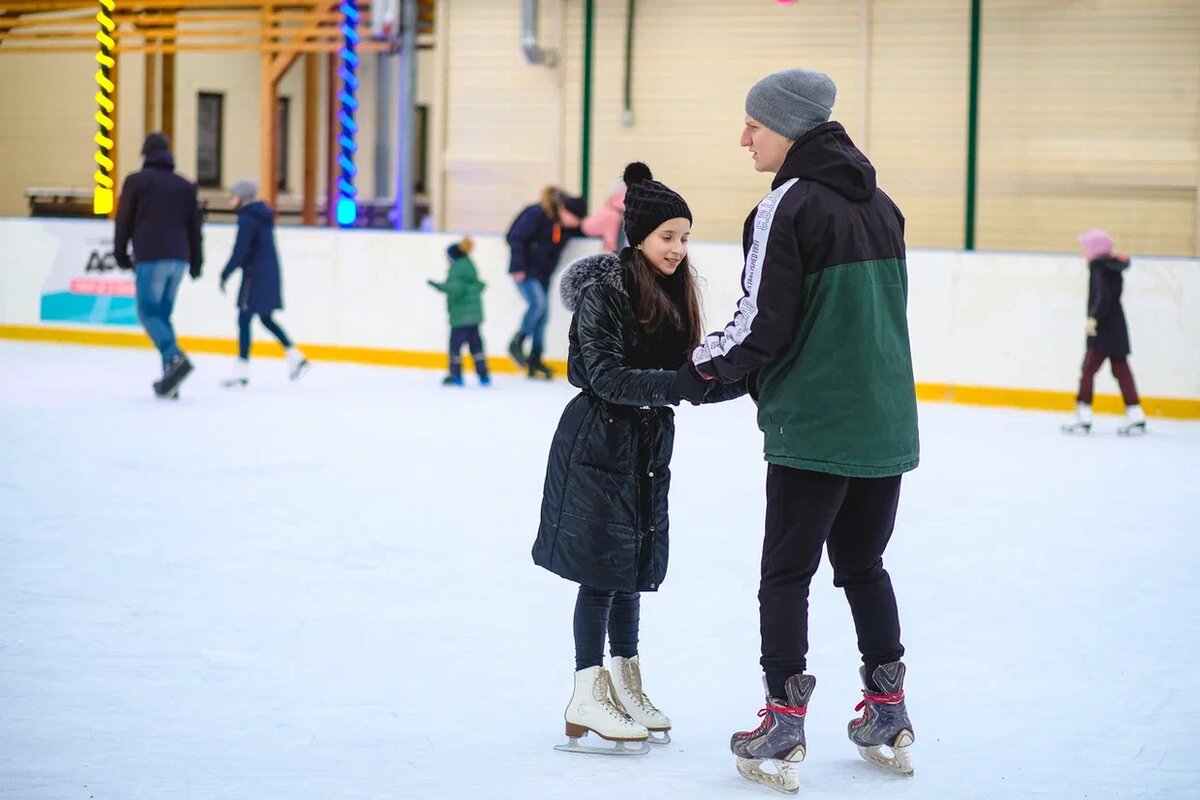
{"x": 605, "y": 223}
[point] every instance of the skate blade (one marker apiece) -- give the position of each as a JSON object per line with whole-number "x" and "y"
{"x": 235, "y": 383}
{"x": 1075, "y": 430}
{"x": 299, "y": 371}
{"x": 659, "y": 737}
{"x": 1131, "y": 432}
{"x": 899, "y": 762}
{"x": 618, "y": 748}
{"x": 783, "y": 779}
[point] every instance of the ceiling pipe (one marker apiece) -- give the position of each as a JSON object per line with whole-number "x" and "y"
{"x": 534, "y": 54}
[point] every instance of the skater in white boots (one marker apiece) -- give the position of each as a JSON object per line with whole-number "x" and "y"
{"x": 261, "y": 294}
{"x": 1107, "y": 336}
{"x": 604, "y": 506}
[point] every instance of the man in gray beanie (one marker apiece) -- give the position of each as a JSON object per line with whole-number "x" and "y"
{"x": 821, "y": 332}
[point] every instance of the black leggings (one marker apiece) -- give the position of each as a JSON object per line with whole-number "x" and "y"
{"x": 598, "y": 611}
{"x": 244, "y": 319}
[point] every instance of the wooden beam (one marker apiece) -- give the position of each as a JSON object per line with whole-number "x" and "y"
{"x": 333, "y": 87}
{"x": 247, "y": 47}
{"x": 312, "y": 101}
{"x": 150, "y": 94}
{"x": 284, "y": 61}
{"x": 268, "y": 119}
{"x": 167, "y": 106}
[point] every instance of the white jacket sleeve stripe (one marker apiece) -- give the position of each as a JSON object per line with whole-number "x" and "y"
{"x": 720, "y": 344}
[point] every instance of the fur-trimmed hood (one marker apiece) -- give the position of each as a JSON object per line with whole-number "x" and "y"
{"x": 604, "y": 269}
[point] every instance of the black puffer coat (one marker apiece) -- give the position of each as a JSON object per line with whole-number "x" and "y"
{"x": 1104, "y": 305}
{"x": 604, "y": 505}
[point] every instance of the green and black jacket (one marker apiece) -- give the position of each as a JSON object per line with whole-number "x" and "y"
{"x": 821, "y": 329}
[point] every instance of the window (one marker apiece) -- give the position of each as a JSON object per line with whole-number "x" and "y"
{"x": 210, "y": 126}
{"x": 282, "y": 113}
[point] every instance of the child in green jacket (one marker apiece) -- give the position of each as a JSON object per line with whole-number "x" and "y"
{"x": 464, "y": 301}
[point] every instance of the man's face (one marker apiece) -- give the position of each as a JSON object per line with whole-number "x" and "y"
{"x": 768, "y": 148}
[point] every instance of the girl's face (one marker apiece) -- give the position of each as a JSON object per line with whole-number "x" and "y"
{"x": 667, "y": 246}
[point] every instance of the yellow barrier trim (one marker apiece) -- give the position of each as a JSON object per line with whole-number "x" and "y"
{"x": 1035, "y": 399}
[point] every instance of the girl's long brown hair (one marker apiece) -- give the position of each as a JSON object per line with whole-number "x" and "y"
{"x": 673, "y": 301}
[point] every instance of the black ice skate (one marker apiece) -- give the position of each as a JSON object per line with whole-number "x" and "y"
{"x": 884, "y": 722}
{"x": 168, "y": 386}
{"x": 537, "y": 368}
{"x": 779, "y": 740}
{"x": 516, "y": 349}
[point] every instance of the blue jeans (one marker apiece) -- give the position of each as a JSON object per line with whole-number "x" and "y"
{"x": 157, "y": 284}
{"x": 534, "y": 322}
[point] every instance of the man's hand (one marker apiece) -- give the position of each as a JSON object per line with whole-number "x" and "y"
{"x": 222, "y": 286}
{"x": 519, "y": 277}
{"x": 690, "y": 385}
{"x": 1090, "y": 327}
{"x": 194, "y": 271}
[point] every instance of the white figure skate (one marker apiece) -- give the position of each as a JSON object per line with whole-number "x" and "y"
{"x": 626, "y": 677}
{"x": 592, "y": 711}
{"x": 1135, "y": 424}
{"x": 240, "y": 378}
{"x": 1083, "y": 420}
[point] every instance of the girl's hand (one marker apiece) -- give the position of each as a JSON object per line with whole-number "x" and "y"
{"x": 1090, "y": 327}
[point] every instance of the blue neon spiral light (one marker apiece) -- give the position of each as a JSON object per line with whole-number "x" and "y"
{"x": 346, "y": 210}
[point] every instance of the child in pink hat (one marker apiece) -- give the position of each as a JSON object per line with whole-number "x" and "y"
{"x": 1107, "y": 335}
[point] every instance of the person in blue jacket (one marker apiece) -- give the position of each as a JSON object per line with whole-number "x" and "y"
{"x": 260, "y": 294}
{"x": 536, "y": 239}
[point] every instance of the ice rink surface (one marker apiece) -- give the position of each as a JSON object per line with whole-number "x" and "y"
{"x": 323, "y": 591}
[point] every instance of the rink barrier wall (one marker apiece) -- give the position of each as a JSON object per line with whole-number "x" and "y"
{"x": 997, "y": 329}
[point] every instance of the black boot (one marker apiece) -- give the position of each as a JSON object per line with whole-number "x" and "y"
{"x": 455, "y": 376}
{"x": 537, "y": 369}
{"x": 173, "y": 375}
{"x": 516, "y": 349}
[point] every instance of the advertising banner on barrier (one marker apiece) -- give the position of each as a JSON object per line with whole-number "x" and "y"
{"x": 85, "y": 284}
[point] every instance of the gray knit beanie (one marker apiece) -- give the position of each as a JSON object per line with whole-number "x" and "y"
{"x": 244, "y": 190}
{"x": 792, "y": 102}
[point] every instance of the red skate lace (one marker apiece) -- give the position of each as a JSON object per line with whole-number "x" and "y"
{"x": 886, "y": 699}
{"x": 798, "y": 711}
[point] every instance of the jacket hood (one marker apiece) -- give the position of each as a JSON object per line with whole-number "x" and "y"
{"x": 257, "y": 210}
{"x": 827, "y": 156}
{"x": 159, "y": 158}
{"x": 605, "y": 269}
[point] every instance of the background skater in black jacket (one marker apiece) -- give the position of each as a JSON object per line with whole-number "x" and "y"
{"x": 160, "y": 213}
{"x": 822, "y": 331}
{"x": 604, "y": 506}
{"x": 536, "y": 240}
{"x": 1107, "y": 335}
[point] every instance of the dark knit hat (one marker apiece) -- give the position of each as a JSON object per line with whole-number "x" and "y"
{"x": 155, "y": 143}
{"x": 648, "y": 203}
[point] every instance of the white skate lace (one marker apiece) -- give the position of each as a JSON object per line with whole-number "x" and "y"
{"x": 633, "y": 679}
{"x": 600, "y": 691}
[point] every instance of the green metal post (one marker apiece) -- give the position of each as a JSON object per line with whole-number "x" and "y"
{"x": 585, "y": 155}
{"x": 973, "y": 126}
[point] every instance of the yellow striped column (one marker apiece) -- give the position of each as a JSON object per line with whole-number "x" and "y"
{"x": 102, "y": 197}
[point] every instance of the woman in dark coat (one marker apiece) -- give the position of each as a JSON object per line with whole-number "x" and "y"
{"x": 1107, "y": 335}
{"x": 536, "y": 239}
{"x": 260, "y": 294}
{"x": 604, "y": 507}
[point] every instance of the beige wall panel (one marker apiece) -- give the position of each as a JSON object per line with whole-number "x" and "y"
{"x": 693, "y": 63}
{"x": 503, "y": 124}
{"x": 919, "y": 73}
{"x": 1089, "y": 118}
{"x": 48, "y": 123}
